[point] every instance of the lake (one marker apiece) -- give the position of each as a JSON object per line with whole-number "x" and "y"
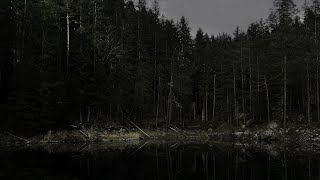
{"x": 145, "y": 160}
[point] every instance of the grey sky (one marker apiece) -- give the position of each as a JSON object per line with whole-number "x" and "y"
{"x": 217, "y": 16}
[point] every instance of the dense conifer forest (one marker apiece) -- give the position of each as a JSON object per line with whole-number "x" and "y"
{"x": 90, "y": 61}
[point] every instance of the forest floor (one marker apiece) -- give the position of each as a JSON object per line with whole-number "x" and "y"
{"x": 269, "y": 137}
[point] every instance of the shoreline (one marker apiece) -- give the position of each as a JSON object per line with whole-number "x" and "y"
{"x": 269, "y": 138}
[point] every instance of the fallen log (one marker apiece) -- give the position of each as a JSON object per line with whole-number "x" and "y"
{"x": 139, "y": 129}
{"x": 174, "y": 130}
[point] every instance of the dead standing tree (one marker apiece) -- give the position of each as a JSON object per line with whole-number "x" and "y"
{"x": 172, "y": 100}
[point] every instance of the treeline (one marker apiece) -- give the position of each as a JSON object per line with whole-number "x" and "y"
{"x": 77, "y": 61}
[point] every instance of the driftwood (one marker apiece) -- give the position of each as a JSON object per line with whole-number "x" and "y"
{"x": 49, "y": 142}
{"x": 86, "y": 135}
{"x": 197, "y": 126}
{"x": 137, "y": 127}
{"x": 174, "y": 130}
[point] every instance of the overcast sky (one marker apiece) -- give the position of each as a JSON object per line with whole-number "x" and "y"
{"x": 217, "y": 16}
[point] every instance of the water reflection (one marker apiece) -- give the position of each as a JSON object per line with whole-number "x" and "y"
{"x": 157, "y": 161}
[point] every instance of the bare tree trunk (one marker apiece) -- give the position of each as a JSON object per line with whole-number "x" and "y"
{"x": 194, "y": 110}
{"x": 235, "y": 95}
{"x": 180, "y": 116}
{"x": 158, "y": 101}
{"x": 206, "y": 103}
{"x": 308, "y": 95}
{"x": 80, "y": 13}
{"x": 317, "y": 79}
{"x": 267, "y": 98}
{"x": 89, "y": 114}
{"x": 110, "y": 112}
{"x": 155, "y": 70}
{"x": 318, "y": 95}
{"x": 250, "y": 83}
{"x": 203, "y": 109}
{"x": 139, "y": 52}
{"x": 214, "y": 98}
{"x": 43, "y": 38}
{"x": 228, "y": 110}
{"x": 242, "y": 83}
{"x": 285, "y": 92}
{"x": 258, "y": 77}
{"x": 80, "y": 115}
{"x": 80, "y": 23}
{"x": 258, "y": 88}
{"x": 68, "y": 37}
{"x": 23, "y": 31}
{"x": 170, "y": 101}
{"x": 95, "y": 37}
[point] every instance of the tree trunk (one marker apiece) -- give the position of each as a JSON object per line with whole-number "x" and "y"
{"x": 155, "y": 69}
{"x": 258, "y": 77}
{"x": 250, "y": 83}
{"x": 158, "y": 101}
{"x": 68, "y": 38}
{"x": 194, "y": 113}
{"x": 267, "y": 98}
{"x": 318, "y": 95}
{"x": 203, "y": 109}
{"x": 43, "y": 39}
{"x": 285, "y": 92}
{"x": 308, "y": 96}
{"x": 110, "y": 112}
{"x": 317, "y": 79}
{"x": 228, "y": 110}
{"x": 80, "y": 24}
{"x": 23, "y": 31}
{"x": 139, "y": 52}
{"x": 180, "y": 117}
{"x": 170, "y": 102}
{"x": 80, "y": 14}
{"x": 89, "y": 114}
{"x": 95, "y": 37}
{"x": 206, "y": 103}
{"x": 214, "y": 98}
{"x": 80, "y": 115}
{"x": 235, "y": 95}
{"x": 242, "y": 83}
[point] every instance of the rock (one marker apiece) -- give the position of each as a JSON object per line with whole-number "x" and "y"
{"x": 273, "y": 125}
{"x": 238, "y": 134}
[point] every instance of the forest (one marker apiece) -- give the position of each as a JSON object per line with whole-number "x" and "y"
{"x": 98, "y": 61}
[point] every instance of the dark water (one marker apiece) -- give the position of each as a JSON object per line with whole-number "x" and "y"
{"x": 161, "y": 161}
